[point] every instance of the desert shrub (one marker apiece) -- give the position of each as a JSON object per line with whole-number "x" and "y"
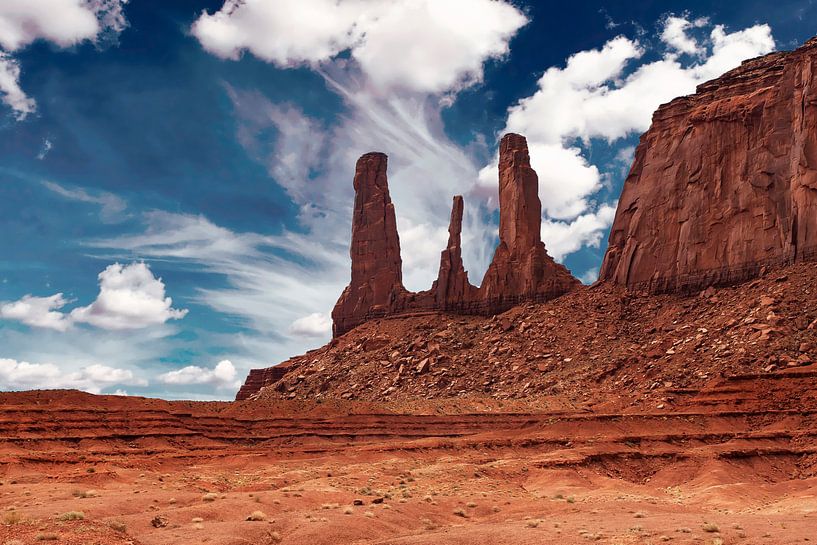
{"x": 72, "y": 515}
{"x": 12, "y": 517}
{"x": 117, "y": 526}
{"x": 257, "y": 516}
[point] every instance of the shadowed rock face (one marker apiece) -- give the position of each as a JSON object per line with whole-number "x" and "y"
{"x": 521, "y": 269}
{"x": 724, "y": 182}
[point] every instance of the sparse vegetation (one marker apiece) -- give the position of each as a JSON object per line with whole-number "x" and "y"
{"x": 47, "y": 536}
{"x": 257, "y": 516}
{"x": 117, "y": 526}
{"x": 82, "y": 494}
{"x": 210, "y": 496}
{"x": 710, "y": 527}
{"x": 72, "y": 515}
{"x": 12, "y": 517}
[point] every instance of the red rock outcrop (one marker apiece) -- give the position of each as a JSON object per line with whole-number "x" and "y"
{"x": 520, "y": 271}
{"x": 258, "y": 378}
{"x": 724, "y": 183}
{"x": 376, "y": 287}
{"x": 521, "y": 268}
{"x": 452, "y": 287}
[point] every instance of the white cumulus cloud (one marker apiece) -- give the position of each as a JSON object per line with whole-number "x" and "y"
{"x": 63, "y": 23}
{"x": 38, "y": 312}
{"x": 22, "y": 375}
{"x": 675, "y": 34}
{"x": 317, "y": 324}
{"x": 418, "y": 45}
{"x": 130, "y": 297}
{"x": 12, "y": 94}
{"x": 222, "y": 376}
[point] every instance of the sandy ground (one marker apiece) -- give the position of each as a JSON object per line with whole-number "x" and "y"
{"x": 152, "y": 472}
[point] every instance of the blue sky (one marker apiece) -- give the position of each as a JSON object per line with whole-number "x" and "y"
{"x": 175, "y": 177}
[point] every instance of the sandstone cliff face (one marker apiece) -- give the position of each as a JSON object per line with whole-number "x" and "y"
{"x": 520, "y": 271}
{"x": 724, "y": 182}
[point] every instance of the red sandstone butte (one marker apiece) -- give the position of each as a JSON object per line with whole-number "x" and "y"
{"x": 520, "y": 271}
{"x": 724, "y": 182}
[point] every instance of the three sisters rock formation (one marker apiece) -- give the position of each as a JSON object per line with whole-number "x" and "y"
{"x": 723, "y": 185}
{"x": 521, "y": 270}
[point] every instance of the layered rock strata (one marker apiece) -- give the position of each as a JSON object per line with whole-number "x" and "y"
{"x": 520, "y": 271}
{"x": 724, "y": 182}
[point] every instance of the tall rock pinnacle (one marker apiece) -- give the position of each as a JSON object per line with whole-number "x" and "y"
{"x": 521, "y": 267}
{"x": 377, "y": 277}
{"x": 452, "y": 289}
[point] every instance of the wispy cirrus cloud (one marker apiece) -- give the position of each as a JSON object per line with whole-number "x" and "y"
{"x": 112, "y": 207}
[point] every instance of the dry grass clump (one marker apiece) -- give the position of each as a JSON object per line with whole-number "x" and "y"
{"x": 11, "y": 518}
{"x": 257, "y": 516}
{"x": 470, "y": 505}
{"x": 460, "y": 512}
{"x": 210, "y": 496}
{"x": 428, "y": 524}
{"x": 117, "y": 526}
{"x": 82, "y": 494}
{"x": 710, "y": 527}
{"x": 48, "y": 536}
{"x": 368, "y": 514}
{"x": 72, "y": 515}
{"x": 330, "y": 506}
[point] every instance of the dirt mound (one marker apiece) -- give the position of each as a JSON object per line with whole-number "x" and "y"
{"x": 598, "y": 347}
